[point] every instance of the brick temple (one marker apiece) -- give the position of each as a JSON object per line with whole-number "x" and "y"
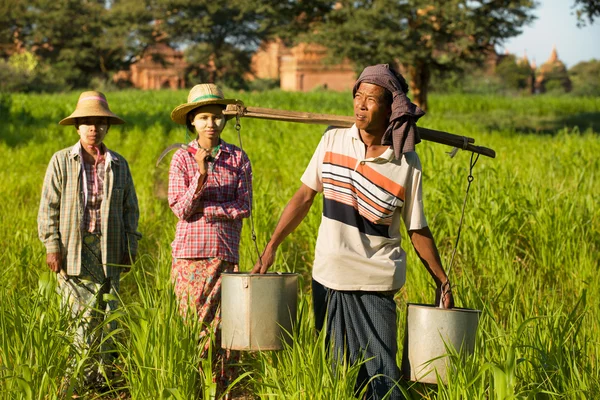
{"x": 301, "y": 68}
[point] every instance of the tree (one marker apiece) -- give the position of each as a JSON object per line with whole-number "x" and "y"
{"x": 65, "y": 33}
{"x": 212, "y": 32}
{"x": 80, "y": 40}
{"x": 130, "y": 29}
{"x": 220, "y": 37}
{"x": 515, "y": 74}
{"x": 585, "y": 77}
{"x": 420, "y": 36}
{"x": 13, "y": 24}
{"x": 94, "y": 38}
{"x": 589, "y": 8}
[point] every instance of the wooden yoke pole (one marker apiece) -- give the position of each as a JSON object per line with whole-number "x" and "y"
{"x": 461, "y": 142}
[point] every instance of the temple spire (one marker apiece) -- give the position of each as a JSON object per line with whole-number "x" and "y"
{"x": 553, "y": 55}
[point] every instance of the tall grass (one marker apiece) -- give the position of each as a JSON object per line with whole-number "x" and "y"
{"x": 528, "y": 255}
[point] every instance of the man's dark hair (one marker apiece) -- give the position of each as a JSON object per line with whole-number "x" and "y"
{"x": 389, "y": 98}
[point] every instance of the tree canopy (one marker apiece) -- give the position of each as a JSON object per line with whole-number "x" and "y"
{"x": 420, "y": 37}
{"x": 586, "y": 8}
{"x": 515, "y": 74}
{"x": 81, "y": 41}
{"x": 88, "y": 39}
{"x": 586, "y": 78}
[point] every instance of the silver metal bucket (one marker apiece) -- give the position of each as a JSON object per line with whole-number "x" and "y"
{"x": 257, "y": 310}
{"x": 429, "y": 329}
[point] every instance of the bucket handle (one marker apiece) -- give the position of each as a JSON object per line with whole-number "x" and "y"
{"x": 445, "y": 289}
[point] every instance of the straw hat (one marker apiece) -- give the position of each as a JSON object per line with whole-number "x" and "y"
{"x": 200, "y": 95}
{"x": 92, "y": 104}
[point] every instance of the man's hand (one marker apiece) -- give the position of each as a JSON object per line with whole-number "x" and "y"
{"x": 267, "y": 258}
{"x": 54, "y": 261}
{"x": 443, "y": 295}
{"x": 293, "y": 213}
{"x": 422, "y": 240}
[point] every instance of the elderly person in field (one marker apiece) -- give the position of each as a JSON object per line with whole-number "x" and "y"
{"x": 88, "y": 221}
{"x": 210, "y": 193}
{"x": 370, "y": 177}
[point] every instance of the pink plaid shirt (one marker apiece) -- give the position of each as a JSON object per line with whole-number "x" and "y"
{"x": 92, "y": 216}
{"x": 210, "y": 221}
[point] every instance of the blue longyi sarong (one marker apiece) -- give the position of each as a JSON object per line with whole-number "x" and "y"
{"x": 362, "y": 325}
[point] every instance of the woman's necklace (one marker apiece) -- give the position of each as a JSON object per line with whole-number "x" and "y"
{"x": 212, "y": 153}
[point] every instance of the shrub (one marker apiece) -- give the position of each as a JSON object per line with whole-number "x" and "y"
{"x": 260, "y": 85}
{"x": 5, "y": 104}
{"x": 585, "y": 77}
{"x": 23, "y": 73}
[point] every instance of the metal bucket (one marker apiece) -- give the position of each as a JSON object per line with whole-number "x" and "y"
{"x": 429, "y": 329}
{"x": 257, "y": 310}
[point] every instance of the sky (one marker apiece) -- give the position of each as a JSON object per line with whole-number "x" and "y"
{"x": 556, "y": 24}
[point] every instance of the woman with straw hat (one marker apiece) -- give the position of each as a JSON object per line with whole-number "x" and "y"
{"x": 87, "y": 220}
{"x": 210, "y": 192}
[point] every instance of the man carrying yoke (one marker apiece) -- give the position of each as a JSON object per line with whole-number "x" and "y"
{"x": 370, "y": 177}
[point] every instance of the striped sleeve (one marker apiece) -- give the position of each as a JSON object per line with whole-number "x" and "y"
{"x": 413, "y": 213}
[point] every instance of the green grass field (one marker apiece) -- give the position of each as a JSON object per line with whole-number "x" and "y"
{"x": 528, "y": 255}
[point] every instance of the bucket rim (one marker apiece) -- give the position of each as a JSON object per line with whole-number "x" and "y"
{"x": 433, "y": 306}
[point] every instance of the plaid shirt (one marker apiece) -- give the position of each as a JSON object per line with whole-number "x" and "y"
{"x": 64, "y": 198}
{"x": 210, "y": 221}
{"x": 92, "y": 217}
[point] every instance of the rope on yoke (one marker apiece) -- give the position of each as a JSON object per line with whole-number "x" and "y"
{"x": 238, "y": 128}
{"x": 454, "y": 150}
{"x": 470, "y": 180}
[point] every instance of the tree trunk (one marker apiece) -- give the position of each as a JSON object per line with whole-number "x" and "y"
{"x": 212, "y": 73}
{"x": 420, "y": 76}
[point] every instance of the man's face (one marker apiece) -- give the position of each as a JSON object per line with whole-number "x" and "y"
{"x": 371, "y": 111}
{"x": 92, "y": 130}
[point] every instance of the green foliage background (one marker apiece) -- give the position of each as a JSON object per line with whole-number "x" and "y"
{"x": 528, "y": 254}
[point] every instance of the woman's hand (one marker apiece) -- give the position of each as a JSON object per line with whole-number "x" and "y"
{"x": 54, "y": 262}
{"x": 201, "y": 157}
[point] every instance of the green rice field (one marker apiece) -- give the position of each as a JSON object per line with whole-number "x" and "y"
{"x": 528, "y": 255}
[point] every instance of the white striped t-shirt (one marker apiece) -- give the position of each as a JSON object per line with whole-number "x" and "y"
{"x": 358, "y": 245}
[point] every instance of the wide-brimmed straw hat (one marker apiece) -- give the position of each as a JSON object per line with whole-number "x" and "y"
{"x": 200, "y": 95}
{"x": 92, "y": 104}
